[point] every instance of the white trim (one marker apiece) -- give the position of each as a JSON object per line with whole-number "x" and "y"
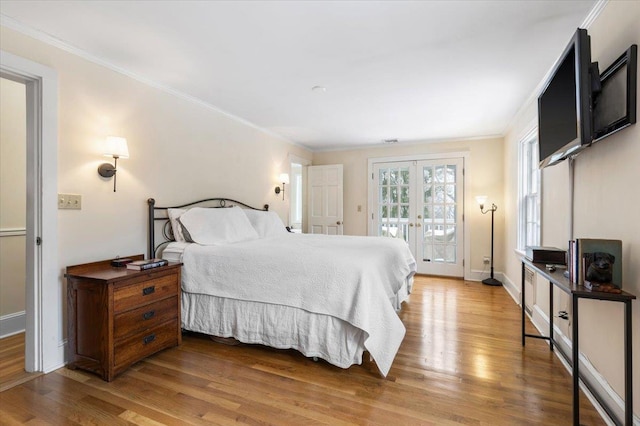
{"x": 16, "y": 25}
{"x": 407, "y": 143}
{"x": 13, "y": 232}
{"x": 540, "y": 320}
{"x": 11, "y": 324}
{"x": 479, "y": 275}
{"x": 526, "y": 138}
{"x": 586, "y": 24}
{"x": 589, "y": 373}
{"x": 593, "y": 15}
{"x": 435, "y": 156}
{"x": 299, "y": 160}
{"x": 43, "y": 320}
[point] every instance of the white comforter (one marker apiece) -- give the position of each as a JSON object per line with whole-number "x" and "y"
{"x": 350, "y": 278}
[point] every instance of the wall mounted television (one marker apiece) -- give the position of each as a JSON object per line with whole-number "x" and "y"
{"x": 614, "y": 108}
{"x": 565, "y": 122}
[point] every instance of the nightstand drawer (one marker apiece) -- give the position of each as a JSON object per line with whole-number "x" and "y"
{"x": 145, "y": 317}
{"x": 145, "y": 292}
{"x": 141, "y": 345}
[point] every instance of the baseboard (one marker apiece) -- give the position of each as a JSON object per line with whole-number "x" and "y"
{"x": 513, "y": 290}
{"x": 592, "y": 382}
{"x": 12, "y": 324}
{"x": 477, "y": 275}
{"x": 57, "y": 360}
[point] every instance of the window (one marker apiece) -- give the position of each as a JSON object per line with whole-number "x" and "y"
{"x": 529, "y": 192}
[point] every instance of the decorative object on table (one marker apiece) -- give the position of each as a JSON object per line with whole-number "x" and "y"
{"x": 141, "y": 265}
{"x": 598, "y": 269}
{"x": 550, "y": 255}
{"x": 481, "y": 200}
{"x": 115, "y": 147}
{"x": 578, "y": 267}
{"x": 120, "y": 262}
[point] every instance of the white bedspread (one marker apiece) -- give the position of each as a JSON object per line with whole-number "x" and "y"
{"x": 350, "y": 278}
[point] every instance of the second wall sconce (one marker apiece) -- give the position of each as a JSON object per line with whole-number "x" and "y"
{"x": 284, "y": 178}
{"x": 115, "y": 147}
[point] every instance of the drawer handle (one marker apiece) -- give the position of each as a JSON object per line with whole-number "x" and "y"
{"x": 150, "y": 338}
{"x": 148, "y": 290}
{"x": 148, "y": 315}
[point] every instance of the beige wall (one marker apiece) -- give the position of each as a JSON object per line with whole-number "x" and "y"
{"x": 179, "y": 151}
{"x": 483, "y": 176}
{"x": 606, "y": 206}
{"x": 12, "y": 195}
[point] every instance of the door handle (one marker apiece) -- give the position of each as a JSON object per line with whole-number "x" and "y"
{"x": 418, "y": 225}
{"x": 339, "y": 222}
{"x": 411, "y": 224}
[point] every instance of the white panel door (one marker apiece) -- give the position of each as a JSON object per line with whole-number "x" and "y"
{"x": 421, "y": 202}
{"x": 325, "y": 199}
{"x": 439, "y": 217}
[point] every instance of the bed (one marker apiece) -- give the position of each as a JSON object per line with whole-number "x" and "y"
{"x": 246, "y": 277}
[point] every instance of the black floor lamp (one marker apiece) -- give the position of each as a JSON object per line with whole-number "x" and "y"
{"x": 481, "y": 200}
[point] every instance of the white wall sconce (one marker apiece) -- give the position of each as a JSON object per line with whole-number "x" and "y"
{"x": 115, "y": 147}
{"x": 284, "y": 178}
{"x": 482, "y": 199}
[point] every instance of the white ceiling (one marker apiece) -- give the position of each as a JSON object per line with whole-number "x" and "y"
{"x": 407, "y": 70}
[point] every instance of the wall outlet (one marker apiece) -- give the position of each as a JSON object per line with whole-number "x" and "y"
{"x": 486, "y": 260}
{"x": 70, "y": 201}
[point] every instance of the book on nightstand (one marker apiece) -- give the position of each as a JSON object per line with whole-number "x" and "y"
{"x": 141, "y": 265}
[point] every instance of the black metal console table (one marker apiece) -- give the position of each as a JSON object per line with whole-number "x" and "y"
{"x": 557, "y": 278}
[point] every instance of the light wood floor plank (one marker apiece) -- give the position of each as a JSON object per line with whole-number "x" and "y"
{"x": 461, "y": 362}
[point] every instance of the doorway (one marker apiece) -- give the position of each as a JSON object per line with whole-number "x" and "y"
{"x": 44, "y": 344}
{"x": 297, "y": 198}
{"x": 325, "y": 190}
{"x": 421, "y": 201}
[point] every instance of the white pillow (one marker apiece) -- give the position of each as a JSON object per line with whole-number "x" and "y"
{"x": 216, "y": 226}
{"x": 174, "y": 215}
{"x": 266, "y": 224}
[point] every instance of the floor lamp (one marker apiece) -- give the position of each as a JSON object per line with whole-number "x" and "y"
{"x": 481, "y": 200}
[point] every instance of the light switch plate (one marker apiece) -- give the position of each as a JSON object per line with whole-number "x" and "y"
{"x": 70, "y": 201}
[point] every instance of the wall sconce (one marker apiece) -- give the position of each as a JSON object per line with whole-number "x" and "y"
{"x": 115, "y": 147}
{"x": 482, "y": 199}
{"x": 284, "y": 178}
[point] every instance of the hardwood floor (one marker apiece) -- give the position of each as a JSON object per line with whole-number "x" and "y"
{"x": 461, "y": 363}
{"x": 12, "y": 362}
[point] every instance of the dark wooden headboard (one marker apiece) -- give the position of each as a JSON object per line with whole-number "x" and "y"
{"x": 160, "y": 214}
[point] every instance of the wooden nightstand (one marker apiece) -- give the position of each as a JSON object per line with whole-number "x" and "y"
{"x": 118, "y": 316}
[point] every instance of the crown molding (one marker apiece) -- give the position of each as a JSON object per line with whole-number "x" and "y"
{"x": 586, "y": 24}
{"x": 13, "y": 24}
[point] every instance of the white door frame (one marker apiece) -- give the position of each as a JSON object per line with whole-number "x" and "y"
{"x": 371, "y": 202}
{"x": 304, "y": 163}
{"x": 44, "y": 346}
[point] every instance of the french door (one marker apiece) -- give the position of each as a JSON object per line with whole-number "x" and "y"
{"x": 421, "y": 202}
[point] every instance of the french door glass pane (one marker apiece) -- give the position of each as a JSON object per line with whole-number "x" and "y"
{"x": 394, "y": 202}
{"x": 427, "y": 174}
{"x": 404, "y": 174}
{"x": 440, "y": 208}
{"x": 404, "y": 194}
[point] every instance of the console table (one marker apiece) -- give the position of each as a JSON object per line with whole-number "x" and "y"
{"x": 557, "y": 278}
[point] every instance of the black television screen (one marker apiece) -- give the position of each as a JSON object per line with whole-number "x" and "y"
{"x": 614, "y": 108}
{"x": 565, "y": 124}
